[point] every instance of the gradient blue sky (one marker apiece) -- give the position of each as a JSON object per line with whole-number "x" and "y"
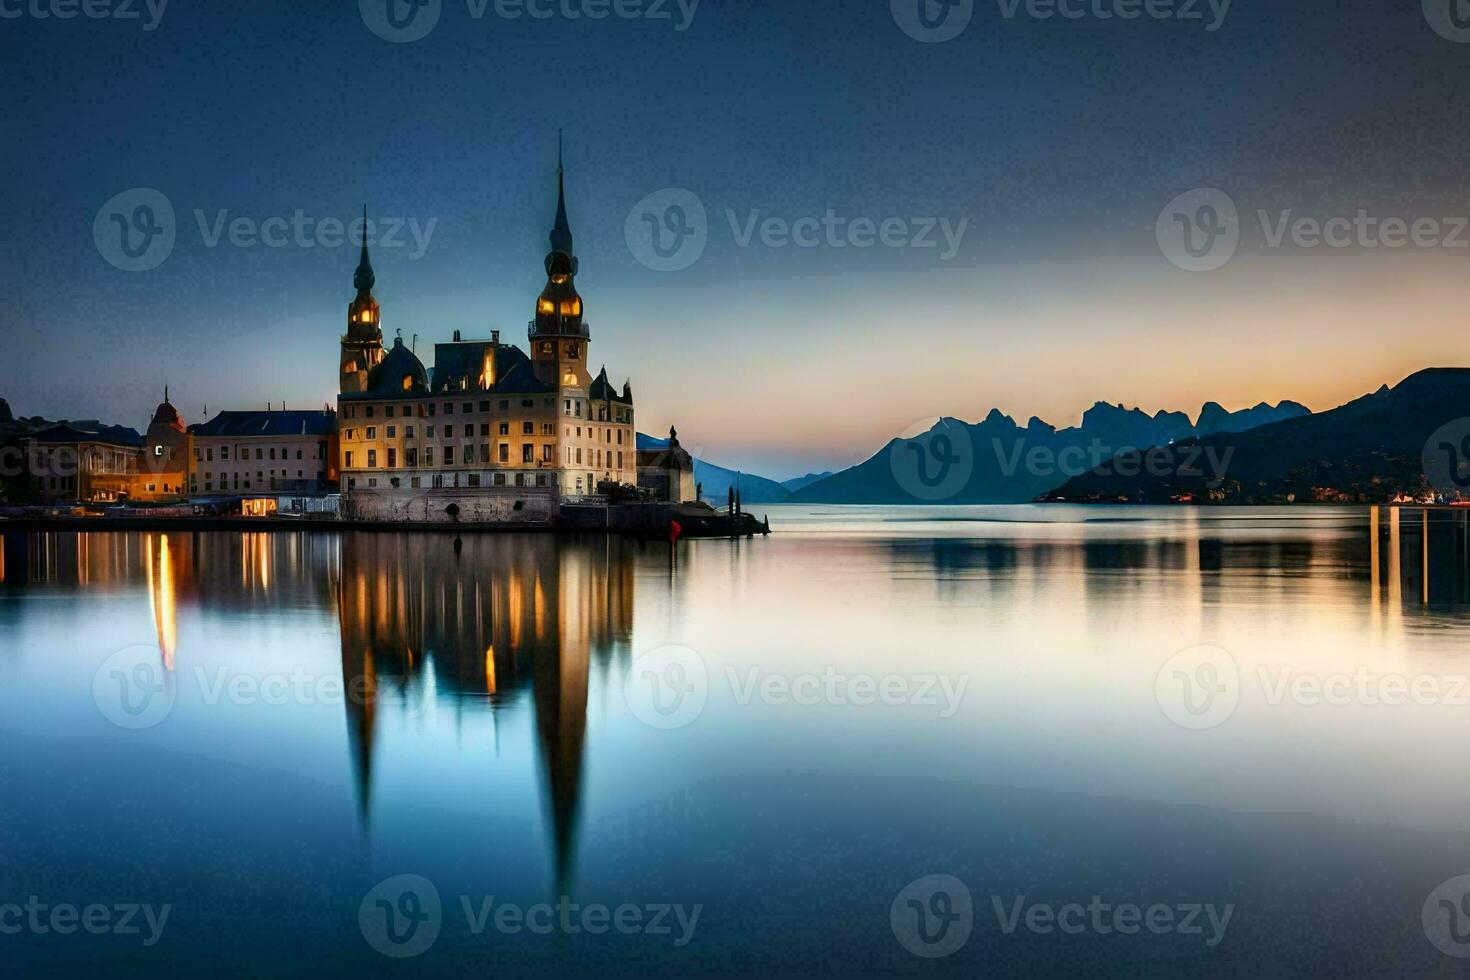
{"x": 1059, "y": 142}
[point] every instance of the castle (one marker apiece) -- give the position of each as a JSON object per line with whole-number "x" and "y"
{"x": 490, "y": 430}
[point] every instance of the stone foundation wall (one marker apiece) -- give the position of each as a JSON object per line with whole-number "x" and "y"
{"x": 486, "y": 505}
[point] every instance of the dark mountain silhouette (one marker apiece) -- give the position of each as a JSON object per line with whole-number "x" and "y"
{"x": 716, "y": 481}
{"x": 997, "y": 461}
{"x": 1370, "y": 450}
{"x": 797, "y": 483}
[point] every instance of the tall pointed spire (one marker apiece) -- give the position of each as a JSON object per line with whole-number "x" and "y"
{"x": 561, "y": 231}
{"x": 364, "y": 279}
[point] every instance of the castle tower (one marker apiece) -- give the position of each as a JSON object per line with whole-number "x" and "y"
{"x": 558, "y": 335}
{"x": 362, "y": 346}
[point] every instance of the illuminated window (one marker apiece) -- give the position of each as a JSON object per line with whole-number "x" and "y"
{"x": 408, "y": 382}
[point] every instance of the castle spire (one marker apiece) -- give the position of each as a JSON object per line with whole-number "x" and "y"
{"x": 561, "y": 230}
{"x": 363, "y": 279}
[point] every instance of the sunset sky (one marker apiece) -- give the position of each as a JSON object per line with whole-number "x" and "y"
{"x": 1054, "y": 144}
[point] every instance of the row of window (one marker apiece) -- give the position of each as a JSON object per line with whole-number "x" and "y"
{"x": 206, "y": 453}
{"x": 437, "y": 481}
{"x": 571, "y": 407}
{"x": 527, "y": 429}
{"x": 227, "y": 483}
{"x": 572, "y": 456}
{"x": 467, "y": 456}
{"x": 428, "y": 409}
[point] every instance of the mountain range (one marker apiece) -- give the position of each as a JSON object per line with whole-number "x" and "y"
{"x": 1409, "y": 440}
{"x": 998, "y": 461}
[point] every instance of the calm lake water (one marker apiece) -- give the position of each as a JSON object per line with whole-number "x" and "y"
{"x": 752, "y": 756}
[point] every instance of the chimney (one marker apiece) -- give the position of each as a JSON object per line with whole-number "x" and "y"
{"x": 456, "y": 336}
{"x": 495, "y": 336}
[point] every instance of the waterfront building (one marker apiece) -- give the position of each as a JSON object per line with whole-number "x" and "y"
{"x": 668, "y": 472}
{"x": 83, "y": 462}
{"x": 492, "y": 432}
{"x": 270, "y": 452}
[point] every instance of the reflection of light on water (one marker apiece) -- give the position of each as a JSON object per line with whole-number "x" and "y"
{"x": 490, "y": 670}
{"x": 161, "y": 590}
{"x": 515, "y": 609}
{"x": 538, "y": 597}
{"x": 262, "y": 543}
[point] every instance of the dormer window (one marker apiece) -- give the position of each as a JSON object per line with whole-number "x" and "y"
{"x": 408, "y": 382}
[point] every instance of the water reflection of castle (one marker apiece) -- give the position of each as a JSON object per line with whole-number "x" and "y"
{"x": 482, "y": 623}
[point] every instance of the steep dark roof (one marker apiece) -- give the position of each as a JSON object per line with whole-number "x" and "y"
{"x": 463, "y": 361}
{"x": 66, "y": 432}
{"x": 245, "y": 424}
{"x": 514, "y": 373}
{"x": 387, "y": 378}
{"x": 602, "y": 390}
